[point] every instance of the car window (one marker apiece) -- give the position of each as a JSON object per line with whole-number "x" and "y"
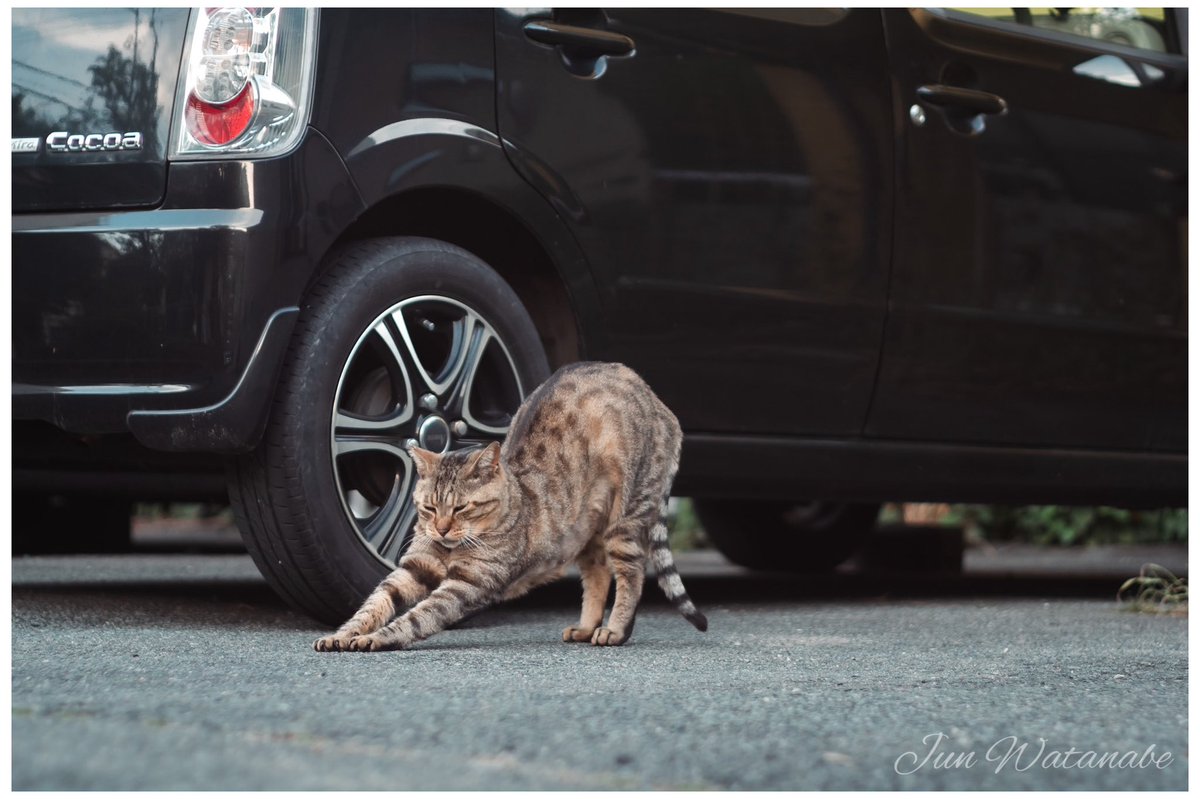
{"x": 1144, "y": 28}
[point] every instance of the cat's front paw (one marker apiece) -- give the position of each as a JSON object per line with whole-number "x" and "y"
{"x": 606, "y": 637}
{"x": 331, "y": 643}
{"x": 571, "y": 634}
{"x": 362, "y": 643}
{"x": 372, "y": 643}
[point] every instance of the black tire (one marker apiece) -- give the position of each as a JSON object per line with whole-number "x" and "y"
{"x": 47, "y": 523}
{"x": 296, "y": 507}
{"x": 798, "y": 538}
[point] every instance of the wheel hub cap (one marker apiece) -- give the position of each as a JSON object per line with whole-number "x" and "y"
{"x": 434, "y": 434}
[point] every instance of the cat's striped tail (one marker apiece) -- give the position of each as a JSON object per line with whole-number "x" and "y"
{"x": 668, "y": 577}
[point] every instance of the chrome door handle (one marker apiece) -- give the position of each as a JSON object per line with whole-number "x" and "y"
{"x": 577, "y": 41}
{"x": 953, "y": 98}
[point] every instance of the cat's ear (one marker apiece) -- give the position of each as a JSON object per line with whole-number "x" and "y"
{"x": 486, "y": 461}
{"x": 425, "y": 461}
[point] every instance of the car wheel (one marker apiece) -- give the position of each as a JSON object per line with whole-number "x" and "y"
{"x": 807, "y": 538}
{"x": 401, "y": 339}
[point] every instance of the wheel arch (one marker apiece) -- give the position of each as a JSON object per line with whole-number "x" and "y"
{"x": 495, "y": 235}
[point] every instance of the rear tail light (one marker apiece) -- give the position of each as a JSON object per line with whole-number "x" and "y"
{"x": 216, "y": 125}
{"x": 248, "y": 78}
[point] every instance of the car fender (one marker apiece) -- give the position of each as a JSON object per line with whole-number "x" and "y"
{"x": 439, "y": 152}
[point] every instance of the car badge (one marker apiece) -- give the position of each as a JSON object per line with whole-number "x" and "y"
{"x": 63, "y": 142}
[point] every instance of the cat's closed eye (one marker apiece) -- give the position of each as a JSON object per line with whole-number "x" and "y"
{"x": 475, "y": 508}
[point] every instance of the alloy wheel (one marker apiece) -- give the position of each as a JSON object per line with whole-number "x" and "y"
{"x": 431, "y": 371}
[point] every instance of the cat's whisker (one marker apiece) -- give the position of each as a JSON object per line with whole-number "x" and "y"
{"x": 473, "y": 541}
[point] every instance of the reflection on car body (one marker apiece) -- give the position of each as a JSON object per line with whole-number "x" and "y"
{"x": 863, "y": 255}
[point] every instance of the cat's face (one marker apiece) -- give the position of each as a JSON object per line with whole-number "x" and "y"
{"x": 458, "y": 495}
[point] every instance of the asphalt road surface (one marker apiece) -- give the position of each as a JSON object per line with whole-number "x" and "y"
{"x": 185, "y": 672}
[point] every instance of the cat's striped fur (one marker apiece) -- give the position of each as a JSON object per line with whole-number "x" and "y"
{"x": 583, "y": 477}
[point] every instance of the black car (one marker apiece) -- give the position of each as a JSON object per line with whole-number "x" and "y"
{"x": 864, "y": 255}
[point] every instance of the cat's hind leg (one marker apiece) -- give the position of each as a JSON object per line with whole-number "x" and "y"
{"x": 626, "y": 552}
{"x": 414, "y": 580}
{"x": 596, "y": 577}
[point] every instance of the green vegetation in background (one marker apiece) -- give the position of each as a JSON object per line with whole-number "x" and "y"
{"x": 684, "y": 530}
{"x": 1055, "y": 525}
{"x": 1155, "y": 590}
{"x": 1046, "y": 525}
{"x": 183, "y": 510}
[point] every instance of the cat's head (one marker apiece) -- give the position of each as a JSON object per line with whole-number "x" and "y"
{"x": 459, "y": 495}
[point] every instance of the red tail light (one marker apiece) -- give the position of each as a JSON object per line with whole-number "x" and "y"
{"x": 246, "y": 83}
{"x": 215, "y": 125}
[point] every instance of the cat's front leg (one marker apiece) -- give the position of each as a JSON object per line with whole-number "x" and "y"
{"x": 415, "y": 578}
{"x": 450, "y": 602}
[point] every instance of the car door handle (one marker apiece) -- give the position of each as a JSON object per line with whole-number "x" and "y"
{"x": 577, "y": 41}
{"x": 957, "y": 99}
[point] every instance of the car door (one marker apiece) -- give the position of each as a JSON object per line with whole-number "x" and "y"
{"x": 728, "y": 175}
{"x": 1039, "y": 285}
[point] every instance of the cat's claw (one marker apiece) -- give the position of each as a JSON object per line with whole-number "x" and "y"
{"x": 362, "y": 643}
{"x": 606, "y": 637}
{"x": 330, "y": 643}
{"x": 572, "y": 634}
{"x": 370, "y": 643}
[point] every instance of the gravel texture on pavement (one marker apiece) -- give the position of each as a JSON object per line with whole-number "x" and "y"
{"x": 185, "y": 672}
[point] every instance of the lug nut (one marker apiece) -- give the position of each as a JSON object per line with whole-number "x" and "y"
{"x": 428, "y": 402}
{"x": 459, "y": 427}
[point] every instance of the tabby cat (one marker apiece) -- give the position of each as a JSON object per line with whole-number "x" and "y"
{"x": 583, "y": 478}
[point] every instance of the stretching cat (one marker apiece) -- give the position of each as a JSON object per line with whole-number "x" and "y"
{"x": 583, "y": 477}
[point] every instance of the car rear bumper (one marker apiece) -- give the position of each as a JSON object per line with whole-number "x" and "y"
{"x": 234, "y": 422}
{"x": 171, "y": 323}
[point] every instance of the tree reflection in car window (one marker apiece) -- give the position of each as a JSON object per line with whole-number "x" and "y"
{"x": 1143, "y": 28}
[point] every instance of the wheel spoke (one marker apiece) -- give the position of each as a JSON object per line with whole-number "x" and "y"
{"x": 399, "y": 534}
{"x": 465, "y": 370}
{"x": 465, "y": 388}
{"x": 351, "y": 424}
{"x": 382, "y": 525}
{"x": 385, "y": 517}
{"x": 464, "y": 331}
{"x": 381, "y": 530}
{"x": 346, "y": 445}
{"x": 399, "y": 370}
